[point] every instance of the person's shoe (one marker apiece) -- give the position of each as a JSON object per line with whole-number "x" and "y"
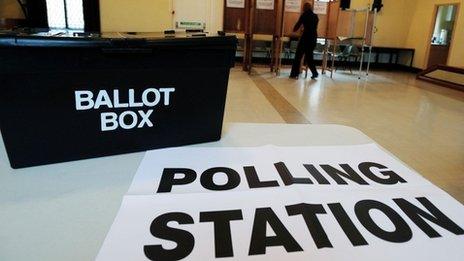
{"x": 314, "y": 76}
{"x": 293, "y": 77}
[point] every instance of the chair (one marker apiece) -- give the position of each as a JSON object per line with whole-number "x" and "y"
{"x": 332, "y": 54}
{"x": 344, "y": 55}
{"x": 290, "y": 49}
{"x": 355, "y": 53}
{"x": 350, "y": 51}
{"x": 241, "y": 45}
{"x": 262, "y": 47}
{"x": 319, "y": 48}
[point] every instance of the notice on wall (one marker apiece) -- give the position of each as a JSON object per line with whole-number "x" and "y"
{"x": 235, "y": 3}
{"x": 265, "y": 4}
{"x": 293, "y": 6}
{"x": 320, "y": 7}
{"x": 277, "y": 203}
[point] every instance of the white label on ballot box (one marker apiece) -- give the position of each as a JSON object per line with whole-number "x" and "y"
{"x": 277, "y": 203}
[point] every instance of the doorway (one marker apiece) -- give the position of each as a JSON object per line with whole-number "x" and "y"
{"x": 442, "y": 34}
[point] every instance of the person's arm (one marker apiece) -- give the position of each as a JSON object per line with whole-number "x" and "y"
{"x": 298, "y": 24}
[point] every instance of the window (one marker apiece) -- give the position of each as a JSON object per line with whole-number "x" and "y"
{"x": 65, "y": 14}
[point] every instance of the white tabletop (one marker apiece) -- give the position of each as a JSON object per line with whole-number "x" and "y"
{"x": 63, "y": 211}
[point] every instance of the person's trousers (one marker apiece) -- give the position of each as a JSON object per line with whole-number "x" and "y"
{"x": 304, "y": 48}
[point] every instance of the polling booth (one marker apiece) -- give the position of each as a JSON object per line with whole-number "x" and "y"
{"x": 259, "y": 23}
{"x": 266, "y": 30}
{"x": 292, "y": 10}
{"x": 354, "y": 30}
{"x": 68, "y": 97}
{"x": 237, "y": 22}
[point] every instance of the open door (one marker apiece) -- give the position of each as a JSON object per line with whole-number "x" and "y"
{"x": 442, "y": 34}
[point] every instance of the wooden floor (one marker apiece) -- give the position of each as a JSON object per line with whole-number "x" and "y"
{"x": 420, "y": 123}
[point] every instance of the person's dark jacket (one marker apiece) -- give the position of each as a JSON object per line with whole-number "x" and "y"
{"x": 309, "y": 20}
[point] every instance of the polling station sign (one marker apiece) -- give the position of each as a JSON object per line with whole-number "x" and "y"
{"x": 275, "y": 203}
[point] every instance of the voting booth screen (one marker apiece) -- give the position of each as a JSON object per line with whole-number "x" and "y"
{"x": 72, "y": 98}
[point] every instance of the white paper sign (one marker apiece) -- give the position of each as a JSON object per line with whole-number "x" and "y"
{"x": 320, "y": 7}
{"x": 235, "y": 3}
{"x": 275, "y": 203}
{"x": 265, "y": 4}
{"x": 293, "y": 6}
{"x": 376, "y": 228}
{"x": 149, "y": 177}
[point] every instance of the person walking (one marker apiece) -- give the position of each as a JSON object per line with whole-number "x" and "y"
{"x": 307, "y": 42}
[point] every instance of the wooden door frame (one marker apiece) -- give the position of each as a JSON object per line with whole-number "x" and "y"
{"x": 432, "y": 28}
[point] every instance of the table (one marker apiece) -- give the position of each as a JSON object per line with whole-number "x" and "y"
{"x": 393, "y": 52}
{"x": 63, "y": 211}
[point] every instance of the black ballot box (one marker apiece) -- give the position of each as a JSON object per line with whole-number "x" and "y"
{"x": 65, "y": 97}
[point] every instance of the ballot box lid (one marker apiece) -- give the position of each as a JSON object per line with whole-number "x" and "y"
{"x": 69, "y": 38}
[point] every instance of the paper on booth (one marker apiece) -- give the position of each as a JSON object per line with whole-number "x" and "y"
{"x": 235, "y": 3}
{"x": 265, "y": 4}
{"x": 321, "y": 7}
{"x": 293, "y": 6}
